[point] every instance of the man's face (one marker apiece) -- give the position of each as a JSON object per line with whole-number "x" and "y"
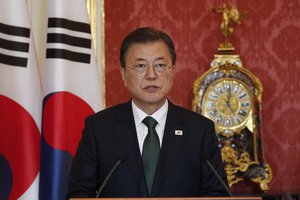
{"x": 148, "y": 89}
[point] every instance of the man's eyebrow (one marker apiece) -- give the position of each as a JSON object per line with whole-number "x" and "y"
{"x": 160, "y": 58}
{"x": 156, "y": 59}
{"x": 140, "y": 59}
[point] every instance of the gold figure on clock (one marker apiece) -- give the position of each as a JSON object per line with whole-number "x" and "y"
{"x": 228, "y": 102}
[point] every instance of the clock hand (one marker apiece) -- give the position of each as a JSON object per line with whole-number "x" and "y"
{"x": 228, "y": 102}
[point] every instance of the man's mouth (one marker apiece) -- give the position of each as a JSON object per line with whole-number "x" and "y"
{"x": 151, "y": 88}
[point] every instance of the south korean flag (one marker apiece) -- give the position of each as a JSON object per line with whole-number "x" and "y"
{"x": 20, "y": 104}
{"x": 72, "y": 91}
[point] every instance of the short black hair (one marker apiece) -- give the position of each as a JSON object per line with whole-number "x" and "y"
{"x": 144, "y": 35}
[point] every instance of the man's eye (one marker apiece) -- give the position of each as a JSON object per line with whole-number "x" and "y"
{"x": 160, "y": 65}
{"x": 140, "y": 66}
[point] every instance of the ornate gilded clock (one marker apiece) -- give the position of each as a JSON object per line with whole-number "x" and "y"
{"x": 230, "y": 95}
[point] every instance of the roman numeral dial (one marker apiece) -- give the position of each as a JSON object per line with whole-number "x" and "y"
{"x": 228, "y": 103}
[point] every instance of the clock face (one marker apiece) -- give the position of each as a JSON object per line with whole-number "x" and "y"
{"x": 228, "y": 103}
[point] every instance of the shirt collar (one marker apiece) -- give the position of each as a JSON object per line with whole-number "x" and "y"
{"x": 160, "y": 115}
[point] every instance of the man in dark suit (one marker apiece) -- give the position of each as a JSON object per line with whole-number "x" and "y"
{"x": 163, "y": 142}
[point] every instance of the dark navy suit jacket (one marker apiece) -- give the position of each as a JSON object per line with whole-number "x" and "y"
{"x": 110, "y": 133}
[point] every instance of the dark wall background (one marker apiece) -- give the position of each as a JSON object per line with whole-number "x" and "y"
{"x": 268, "y": 41}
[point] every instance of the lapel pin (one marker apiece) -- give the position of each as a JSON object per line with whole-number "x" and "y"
{"x": 178, "y": 132}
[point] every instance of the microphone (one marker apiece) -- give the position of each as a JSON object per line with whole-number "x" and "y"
{"x": 121, "y": 160}
{"x": 203, "y": 157}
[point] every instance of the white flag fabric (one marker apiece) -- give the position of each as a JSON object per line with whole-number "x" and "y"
{"x": 20, "y": 105}
{"x": 72, "y": 91}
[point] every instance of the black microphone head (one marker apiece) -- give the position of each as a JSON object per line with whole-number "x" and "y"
{"x": 124, "y": 157}
{"x": 203, "y": 156}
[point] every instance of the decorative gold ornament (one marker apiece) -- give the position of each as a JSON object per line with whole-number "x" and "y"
{"x": 230, "y": 17}
{"x": 230, "y": 95}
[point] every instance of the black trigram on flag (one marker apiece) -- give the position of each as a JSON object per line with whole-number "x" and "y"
{"x": 68, "y": 40}
{"x": 14, "y": 45}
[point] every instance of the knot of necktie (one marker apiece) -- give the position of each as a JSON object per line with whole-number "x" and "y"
{"x": 150, "y": 122}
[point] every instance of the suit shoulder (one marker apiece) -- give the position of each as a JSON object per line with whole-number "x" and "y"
{"x": 109, "y": 113}
{"x": 189, "y": 114}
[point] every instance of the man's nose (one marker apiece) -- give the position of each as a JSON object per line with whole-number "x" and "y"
{"x": 150, "y": 72}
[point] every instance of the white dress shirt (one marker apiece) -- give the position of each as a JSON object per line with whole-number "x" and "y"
{"x": 142, "y": 130}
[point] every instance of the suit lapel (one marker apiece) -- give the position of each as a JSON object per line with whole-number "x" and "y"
{"x": 125, "y": 132}
{"x": 174, "y": 137}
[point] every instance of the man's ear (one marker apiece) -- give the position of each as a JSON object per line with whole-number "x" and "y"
{"x": 122, "y": 70}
